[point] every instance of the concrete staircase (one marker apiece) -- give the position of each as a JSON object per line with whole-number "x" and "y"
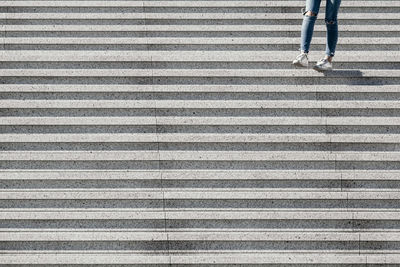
{"x": 176, "y": 133}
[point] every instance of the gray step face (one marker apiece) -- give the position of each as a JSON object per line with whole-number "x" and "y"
{"x": 176, "y": 133}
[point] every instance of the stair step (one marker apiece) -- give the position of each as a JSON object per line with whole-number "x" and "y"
{"x": 195, "y": 88}
{"x": 211, "y": 104}
{"x": 191, "y": 28}
{"x": 194, "y": 236}
{"x": 198, "y": 175}
{"x": 209, "y": 259}
{"x": 233, "y": 4}
{"x": 193, "y": 195}
{"x": 160, "y": 120}
{"x": 197, "y": 156}
{"x": 201, "y": 138}
{"x": 259, "y": 73}
{"x": 115, "y": 214}
{"x": 194, "y": 41}
{"x": 196, "y": 16}
{"x": 192, "y": 56}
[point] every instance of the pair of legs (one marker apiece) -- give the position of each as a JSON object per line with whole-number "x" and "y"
{"x": 310, "y": 16}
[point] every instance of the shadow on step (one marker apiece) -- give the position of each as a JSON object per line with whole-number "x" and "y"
{"x": 344, "y": 73}
{"x": 350, "y": 77}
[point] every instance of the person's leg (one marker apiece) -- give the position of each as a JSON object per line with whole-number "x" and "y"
{"x": 332, "y": 10}
{"x": 309, "y": 18}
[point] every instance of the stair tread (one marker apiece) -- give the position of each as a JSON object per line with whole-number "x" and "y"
{"x": 211, "y": 104}
{"x": 186, "y": 15}
{"x": 195, "y": 41}
{"x": 186, "y": 120}
{"x": 199, "y": 156}
{"x": 202, "y": 138}
{"x": 200, "y": 258}
{"x": 231, "y": 4}
{"x": 196, "y": 236}
{"x": 327, "y": 214}
{"x": 199, "y": 174}
{"x": 258, "y": 73}
{"x": 194, "y": 28}
{"x": 194, "y": 56}
{"x": 245, "y": 88}
{"x": 192, "y": 194}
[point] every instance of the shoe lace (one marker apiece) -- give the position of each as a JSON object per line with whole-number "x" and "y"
{"x": 301, "y": 56}
{"x": 322, "y": 61}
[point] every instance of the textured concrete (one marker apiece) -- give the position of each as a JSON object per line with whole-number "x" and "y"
{"x": 176, "y": 133}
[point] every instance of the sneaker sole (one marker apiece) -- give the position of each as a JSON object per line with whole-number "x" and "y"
{"x": 321, "y": 70}
{"x": 298, "y": 64}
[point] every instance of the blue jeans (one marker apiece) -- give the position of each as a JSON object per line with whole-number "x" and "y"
{"x": 332, "y": 9}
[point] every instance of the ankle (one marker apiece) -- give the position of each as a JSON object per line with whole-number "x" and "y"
{"x": 329, "y": 58}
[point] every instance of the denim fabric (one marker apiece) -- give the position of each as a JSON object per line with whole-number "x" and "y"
{"x": 331, "y": 13}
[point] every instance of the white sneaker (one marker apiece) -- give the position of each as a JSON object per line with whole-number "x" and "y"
{"x": 323, "y": 65}
{"x": 301, "y": 60}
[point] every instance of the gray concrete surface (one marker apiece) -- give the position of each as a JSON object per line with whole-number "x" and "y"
{"x": 176, "y": 133}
